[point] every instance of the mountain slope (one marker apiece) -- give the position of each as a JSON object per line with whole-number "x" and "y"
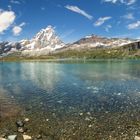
{"x": 93, "y": 46}
{"x": 46, "y": 43}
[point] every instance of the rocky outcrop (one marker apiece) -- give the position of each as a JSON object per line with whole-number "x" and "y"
{"x": 6, "y": 47}
{"x": 132, "y": 46}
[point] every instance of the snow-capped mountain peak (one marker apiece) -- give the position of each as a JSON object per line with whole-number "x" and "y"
{"x": 45, "y": 33}
{"x": 46, "y": 38}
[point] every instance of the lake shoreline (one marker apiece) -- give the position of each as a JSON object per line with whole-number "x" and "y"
{"x": 66, "y": 60}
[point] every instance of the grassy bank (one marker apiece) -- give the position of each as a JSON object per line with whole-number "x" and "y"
{"x": 78, "y": 54}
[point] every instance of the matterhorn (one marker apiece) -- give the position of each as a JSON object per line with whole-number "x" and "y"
{"x": 42, "y": 43}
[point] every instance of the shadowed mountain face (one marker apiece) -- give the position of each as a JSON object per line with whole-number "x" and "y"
{"x": 46, "y": 41}
{"x": 7, "y": 47}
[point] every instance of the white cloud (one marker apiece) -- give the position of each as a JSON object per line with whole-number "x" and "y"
{"x": 129, "y": 16}
{"x": 134, "y": 25}
{"x": 14, "y": 2}
{"x": 6, "y": 20}
{"x": 18, "y": 29}
{"x": 101, "y": 21}
{"x": 107, "y": 28}
{"x": 126, "y": 2}
{"x": 9, "y": 7}
{"x": 22, "y": 24}
{"x": 79, "y": 11}
{"x": 112, "y": 1}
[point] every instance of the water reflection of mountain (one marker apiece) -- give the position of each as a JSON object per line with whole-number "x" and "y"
{"x": 121, "y": 70}
{"x": 44, "y": 75}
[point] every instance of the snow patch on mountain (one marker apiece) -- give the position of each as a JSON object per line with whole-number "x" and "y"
{"x": 46, "y": 38}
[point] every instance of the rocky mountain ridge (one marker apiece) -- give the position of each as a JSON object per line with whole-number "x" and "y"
{"x": 95, "y": 41}
{"x": 46, "y": 41}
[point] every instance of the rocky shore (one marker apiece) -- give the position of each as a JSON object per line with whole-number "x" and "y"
{"x": 21, "y": 132}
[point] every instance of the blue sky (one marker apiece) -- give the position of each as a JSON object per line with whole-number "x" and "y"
{"x": 72, "y": 19}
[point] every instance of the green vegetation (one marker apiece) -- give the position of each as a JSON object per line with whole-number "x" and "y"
{"x": 98, "y": 54}
{"x": 116, "y": 53}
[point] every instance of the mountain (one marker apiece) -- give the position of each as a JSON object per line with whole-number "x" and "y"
{"x": 42, "y": 43}
{"x": 46, "y": 38}
{"x": 94, "y": 41}
{"x": 47, "y": 42}
{"x": 97, "y": 47}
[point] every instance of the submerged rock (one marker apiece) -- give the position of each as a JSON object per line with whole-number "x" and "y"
{"x": 90, "y": 126}
{"x": 81, "y": 114}
{"x": 87, "y": 119}
{"x": 26, "y": 120}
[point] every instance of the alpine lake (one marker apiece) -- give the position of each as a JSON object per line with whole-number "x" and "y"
{"x": 93, "y": 100}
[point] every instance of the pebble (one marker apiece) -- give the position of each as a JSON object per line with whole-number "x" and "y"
{"x": 90, "y": 126}
{"x": 21, "y": 129}
{"x": 137, "y": 138}
{"x": 87, "y": 119}
{"x": 26, "y": 119}
{"x": 47, "y": 120}
{"x": 88, "y": 113}
{"x": 19, "y": 123}
{"x": 39, "y": 136}
{"x": 26, "y": 137}
{"x": 12, "y": 137}
{"x": 12, "y": 97}
{"x": 81, "y": 114}
{"x": 41, "y": 103}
